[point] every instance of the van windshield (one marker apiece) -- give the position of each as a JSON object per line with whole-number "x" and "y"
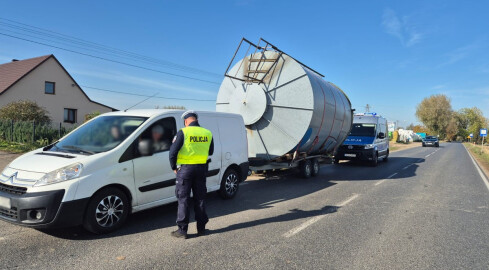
{"x": 363, "y": 130}
{"x": 99, "y": 135}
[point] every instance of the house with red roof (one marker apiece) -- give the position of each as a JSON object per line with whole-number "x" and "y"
{"x": 44, "y": 80}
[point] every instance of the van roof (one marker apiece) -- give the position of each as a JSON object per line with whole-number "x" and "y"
{"x": 368, "y": 118}
{"x": 157, "y": 112}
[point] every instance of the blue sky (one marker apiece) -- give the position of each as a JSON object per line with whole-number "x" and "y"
{"x": 389, "y": 54}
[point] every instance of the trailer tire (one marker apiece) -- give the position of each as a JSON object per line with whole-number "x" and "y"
{"x": 306, "y": 168}
{"x": 315, "y": 167}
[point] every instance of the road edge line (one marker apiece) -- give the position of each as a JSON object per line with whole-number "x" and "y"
{"x": 477, "y": 166}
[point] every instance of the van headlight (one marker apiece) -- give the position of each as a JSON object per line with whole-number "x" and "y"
{"x": 66, "y": 173}
{"x": 369, "y": 146}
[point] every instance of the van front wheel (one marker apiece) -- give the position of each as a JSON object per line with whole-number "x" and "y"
{"x": 229, "y": 184}
{"x": 107, "y": 211}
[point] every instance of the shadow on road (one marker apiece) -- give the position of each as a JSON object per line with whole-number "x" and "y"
{"x": 360, "y": 171}
{"x": 254, "y": 194}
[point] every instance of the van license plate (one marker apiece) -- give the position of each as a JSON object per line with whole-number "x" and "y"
{"x": 350, "y": 155}
{"x": 5, "y": 202}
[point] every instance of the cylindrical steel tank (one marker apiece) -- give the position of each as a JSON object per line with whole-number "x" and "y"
{"x": 286, "y": 106}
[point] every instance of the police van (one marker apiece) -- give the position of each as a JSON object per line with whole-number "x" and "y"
{"x": 97, "y": 174}
{"x": 367, "y": 141}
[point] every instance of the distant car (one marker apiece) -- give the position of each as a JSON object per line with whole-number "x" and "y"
{"x": 431, "y": 141}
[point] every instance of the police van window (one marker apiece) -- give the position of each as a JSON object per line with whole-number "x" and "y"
{"x": 161, "y": 134}
{"x": 363, "y": 130}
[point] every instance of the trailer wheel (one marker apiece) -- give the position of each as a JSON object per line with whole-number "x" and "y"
{"x": 229, "y": 184}
{"x": 306, "y": 168}
{"x": 315, "y": 167}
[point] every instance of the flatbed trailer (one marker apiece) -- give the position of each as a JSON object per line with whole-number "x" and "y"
{"x": 309, "y": 166}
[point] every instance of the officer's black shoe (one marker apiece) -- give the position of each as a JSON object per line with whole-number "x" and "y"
{"x": 202, "y": 232}
{"x": 178, "y": 234}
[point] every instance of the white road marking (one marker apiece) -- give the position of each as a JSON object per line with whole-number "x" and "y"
{"x": 392, "y": 175}
{"x": 408, "y": 166}
{"x": 380, "y": 182}
{"x": 484, "y": 178}
{"x": 315, "y": 219}
{"x": 348, "y": 200}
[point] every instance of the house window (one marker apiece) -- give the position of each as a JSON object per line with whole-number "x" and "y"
{"x": 70, "y": 116}
{"x": 49, "y": 88}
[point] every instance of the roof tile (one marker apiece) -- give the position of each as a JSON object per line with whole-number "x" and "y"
{"x": 11, "y": 72}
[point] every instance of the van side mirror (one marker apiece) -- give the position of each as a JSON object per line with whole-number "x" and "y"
{"x": 145, "y": 148}
{"x": 381, "y": 135}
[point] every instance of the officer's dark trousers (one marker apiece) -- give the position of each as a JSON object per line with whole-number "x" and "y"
{"x": 191, "y": 178}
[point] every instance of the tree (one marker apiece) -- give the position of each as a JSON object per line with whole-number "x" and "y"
{"x": 452, "y": 128}
{"x": 410, "y": 127}
{"x": 471, "y": 120}
{"x": 24, "y": 110}
{"x": 420, "y": 129}
{"x": 91, "y": 115}
{"x": 435, "y": 113}
{"x": 171, "y": 107}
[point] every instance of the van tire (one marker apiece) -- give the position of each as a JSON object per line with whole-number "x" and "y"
{"x": 315, "y": 167}
{"x": 229, "y": 184}
{"x": 306, "y": 168}
{"x": 107, "y": 196}
{"x": 375, "y": 160}
{"x": 386, "y": 158}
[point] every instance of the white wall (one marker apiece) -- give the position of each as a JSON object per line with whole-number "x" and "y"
{"x": 67, "y": 93}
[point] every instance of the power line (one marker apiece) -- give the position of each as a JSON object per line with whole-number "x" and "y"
{"x": 99, "y": 47}
{"x": 141, "y": 95}
{"x": 110, "y": 60}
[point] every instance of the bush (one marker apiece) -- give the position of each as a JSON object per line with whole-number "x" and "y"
{"x": 30, "y": 132}
{"x": 24, "y": 110}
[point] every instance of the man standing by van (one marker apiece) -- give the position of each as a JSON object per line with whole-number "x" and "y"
{"x": 190, "y": 150}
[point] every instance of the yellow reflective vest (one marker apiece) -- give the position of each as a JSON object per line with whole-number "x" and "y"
{"x": 195, "y": 148}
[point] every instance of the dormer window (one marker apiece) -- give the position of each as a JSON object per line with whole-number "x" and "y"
{"x": 49, "y": 88}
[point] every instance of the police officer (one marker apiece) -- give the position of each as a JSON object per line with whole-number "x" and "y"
{"x": 190, "y": 150}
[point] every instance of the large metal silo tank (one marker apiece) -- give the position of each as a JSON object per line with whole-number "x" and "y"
{"x": 287, "y": 107}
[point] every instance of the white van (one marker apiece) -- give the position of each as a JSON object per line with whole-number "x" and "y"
{"x": 96, "y": 176}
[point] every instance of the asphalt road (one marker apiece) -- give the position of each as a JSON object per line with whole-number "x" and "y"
{"x": 427, "y": 208}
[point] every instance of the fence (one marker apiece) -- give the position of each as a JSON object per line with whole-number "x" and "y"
{"x": 31, "y": 132}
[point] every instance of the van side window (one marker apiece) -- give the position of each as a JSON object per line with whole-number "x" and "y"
{"x": 160, "y": 134}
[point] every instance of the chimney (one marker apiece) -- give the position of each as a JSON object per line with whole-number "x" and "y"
{"x": 15, "y": 60}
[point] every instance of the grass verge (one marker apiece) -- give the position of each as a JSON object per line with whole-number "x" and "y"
{"x": 17, "y": 148}
{"x": 482, "y": 157}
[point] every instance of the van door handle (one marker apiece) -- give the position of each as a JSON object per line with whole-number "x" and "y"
{"x": 209, "y": 161}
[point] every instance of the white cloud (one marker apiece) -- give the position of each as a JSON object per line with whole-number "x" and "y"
{"x": 438, "y": 87}
{"x": 459, "y": 54}
{"x": 400, "y": 28}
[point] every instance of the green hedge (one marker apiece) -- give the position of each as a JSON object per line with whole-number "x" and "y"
{"x": 30, "y": 132}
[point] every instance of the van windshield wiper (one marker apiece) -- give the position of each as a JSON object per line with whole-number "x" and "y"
{"x": 78, "y": 149}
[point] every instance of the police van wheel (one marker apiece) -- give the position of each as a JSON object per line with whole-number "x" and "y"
{"x": 375, "y": 160}
{"x": 107, "y": 211}
{"x": 315, "y": 167}
{"x": 229, "y": 184}
{"x": 386, "y": 158}
{"x": 306, "y": 168}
